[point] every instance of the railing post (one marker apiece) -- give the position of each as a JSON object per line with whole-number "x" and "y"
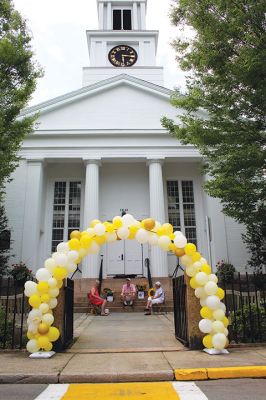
{"x": 193, "y": 317}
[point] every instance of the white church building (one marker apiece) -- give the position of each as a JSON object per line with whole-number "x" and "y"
{"x": 101, "y": 150}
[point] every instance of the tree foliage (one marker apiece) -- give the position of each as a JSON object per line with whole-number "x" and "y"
{"x": 18, "y": 75}
{"x": 225, "y": 64}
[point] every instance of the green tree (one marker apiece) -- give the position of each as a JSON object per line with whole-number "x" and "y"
{"x": 18, "y": 75}
{"x": 224, "y": 107}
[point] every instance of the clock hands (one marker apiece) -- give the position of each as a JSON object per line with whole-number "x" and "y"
{"x": 123, "y": 58}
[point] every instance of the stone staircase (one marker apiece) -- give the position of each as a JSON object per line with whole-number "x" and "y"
{"x": 82, "y": 287}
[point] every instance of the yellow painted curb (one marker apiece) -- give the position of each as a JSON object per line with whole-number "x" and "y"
{"x": 194, "y": 374}
{"x": 199, "y": 374}
{"x": 237, "y": 372}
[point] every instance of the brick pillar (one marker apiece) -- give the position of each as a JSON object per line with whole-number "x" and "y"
{"x": 59, "y": 314}
{"x": 195, "y": 336}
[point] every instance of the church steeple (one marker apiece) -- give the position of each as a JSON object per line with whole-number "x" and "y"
{"x": 122, "y": 44}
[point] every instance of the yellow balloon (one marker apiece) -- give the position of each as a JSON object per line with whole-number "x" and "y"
{"x": 172, "y": 247}
{"x": 74, "y": 244}
{"x": 206, "y": 268}
{"x": 149, "y": 224}
{"x": 43, "y": 328}
{"x": 117, "y": 222}
{"x": 94, "y": 222}
{"x": 60, "y": 273}
{"x": 132, "y": 232}
{"x": 59, "y": 283}
{"x": 100, "y": 239}
{"x": 161, "y": 231}
{"x": 207, "y": 341}
{"x": 206, "y": 312}
{"x": 225, "y": 321}
{"x": 196, "y": 257}
{"x": 193, "y": 283}
{"x": 48, "y": 347}
{"x": 75, "y": 235}
{"x": 43, "y": 341}
{"x": 179, "y": 252}
{"x": 43, "y": 287}
{"x": 220, "y": 293}
{"x": 85, "y": 241}
{"x": 109, "y": 227}
{"x": 30, "y": 335}
{"x": 45, "y": 298}
{"x": 168, "y": 228}
{"x": 53, "y": 334}
{"x": 190, "y": 249}
{"x": 35, "y": 301}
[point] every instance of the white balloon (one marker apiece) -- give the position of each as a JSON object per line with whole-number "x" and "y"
{"x": 71, "y": 267}
{"x": 222, "y": 307}
{"x": 95, "y": 248}
{"x": 203, "y": 302}
{"x": 213, "y": 302}
{"x": 142, "y": 236}
{"x": 60, "y": 259}
{"x": 48, "y": 319}
{"x": 35, "y": 316}
{"x": 128, "y": 220}
{"x": 44, "y": 308}
{"x": 218, "y": 326}
{"x": 201, "y": 278}
{"x": 213, "y": 278}
{"x": 180, "y": 241}
{"x": 205, "y": 325}
{"x": 99, "y": 229}
{"x": 42, "y": 275}
{"x": 72, "y": 256}
{"x": 50, "y": 264}
{"x": 186, "y": 260}
{"x": 178, "y": 233}
{"x": 218, "y": 314}
{"x": 62, "y": 247}
{"x": 52, "y": 282}
{"x": 191, "y": 271}
{"x": 90, "y": 232}
{"x": 153, "y": 239}
{"x": 200, "y": 293}
{"x": 210, "y": 288}
{"x": 111, "y": 237}
{"x": 164, "y": 242}
{"x": 219, "y": 341}
{"x": 197, "y": 265}
{"x": 52, "y": 303}
{"x": 226, "y": 332}
{"x": 30, "y": 288}
{"x": 32, "y": 346}
{"x": 53, "y": 292}
{"x": 33, "y": 328}
{"x": 123, "y": 232}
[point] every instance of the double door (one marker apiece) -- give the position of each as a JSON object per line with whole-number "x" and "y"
{"x": 126, "y": 257}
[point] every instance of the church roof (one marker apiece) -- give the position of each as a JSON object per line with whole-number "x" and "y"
{"x": 98, "y": 87}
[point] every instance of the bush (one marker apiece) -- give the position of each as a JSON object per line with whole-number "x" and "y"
{"x": 5, "y": 334}
{"x": 225, "y": 271}
{"x": 249, "y": 324}
{"x": 20, "y": 272}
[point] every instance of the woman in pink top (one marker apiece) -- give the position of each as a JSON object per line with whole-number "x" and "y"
{"x": 96, "y": 300}
{"x": 128, "y": 293}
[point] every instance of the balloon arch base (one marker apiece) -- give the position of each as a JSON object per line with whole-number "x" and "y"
{"x": 206, "y": 313}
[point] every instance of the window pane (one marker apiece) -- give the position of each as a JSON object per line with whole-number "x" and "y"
{"x": 74, "y": 207}
{"x": 117, "y": 20}
{"x": 173, "y": 204}
{"x": 127, "y": 24}
{"x": 189, "y": 211}
{"x": 58, "y": 214}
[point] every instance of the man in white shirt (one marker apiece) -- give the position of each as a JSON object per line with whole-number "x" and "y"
{"x": 158, "y": 298}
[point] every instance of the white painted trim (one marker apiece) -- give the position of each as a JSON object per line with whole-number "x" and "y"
{"x": 188, "y": 391}
{"x": 53, "y": 392}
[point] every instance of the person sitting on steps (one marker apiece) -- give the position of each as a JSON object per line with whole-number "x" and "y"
{"x": 96, "y": 300}
{"x": 128, "y": 293}
{"x": 158, "y": 298}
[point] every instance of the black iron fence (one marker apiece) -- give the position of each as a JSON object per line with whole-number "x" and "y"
{"x": 180, "y": 309}
{"x": 14, "y": 309}
{"x": 245, "y": 300}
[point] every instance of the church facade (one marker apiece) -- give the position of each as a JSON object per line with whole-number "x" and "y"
{"x": 101, "y": 151}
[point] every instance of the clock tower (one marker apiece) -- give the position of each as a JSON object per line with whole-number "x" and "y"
{"x": 122, "y": 44}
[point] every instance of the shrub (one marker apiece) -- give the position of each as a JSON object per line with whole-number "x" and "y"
{"x": 20, "y": 272}
{"x": 225, "y": 271}
{"x": 5, "y": 334}
{"x": 249, "y": 324}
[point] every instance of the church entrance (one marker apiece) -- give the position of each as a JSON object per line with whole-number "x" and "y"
{"x": 126, "y": 258}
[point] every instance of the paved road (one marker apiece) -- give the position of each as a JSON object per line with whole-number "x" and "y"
{"x": 239, "y": 389}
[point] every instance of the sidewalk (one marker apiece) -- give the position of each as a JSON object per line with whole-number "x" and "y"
{"x": 114, "y": 362}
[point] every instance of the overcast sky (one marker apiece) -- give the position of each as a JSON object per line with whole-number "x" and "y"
{"x": 59, "y": 41}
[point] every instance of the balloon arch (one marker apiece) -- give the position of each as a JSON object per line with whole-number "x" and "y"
{"x": 43, "y": 295}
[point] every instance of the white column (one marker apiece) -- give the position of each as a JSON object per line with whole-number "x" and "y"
{"x": 143, "y": 16}
{"x": 109, "y": 16}
{"x": 90, "y": 265}
{"x": 32, "y": 214}
{"x": 100, "y": 15}
{"x": 157, "y": 211}
{"x": 135, "y": 16}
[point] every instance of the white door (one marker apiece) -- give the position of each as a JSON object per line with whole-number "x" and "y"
{"x": 116, "y": 258}
{"x": 134, "y": 257}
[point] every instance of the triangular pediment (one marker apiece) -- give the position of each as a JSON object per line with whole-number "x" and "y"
{"x": 121, "y": 102}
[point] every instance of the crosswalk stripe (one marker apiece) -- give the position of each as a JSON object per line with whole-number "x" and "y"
{"x": 53, "y": 392}
{"x": 188, "y": 391}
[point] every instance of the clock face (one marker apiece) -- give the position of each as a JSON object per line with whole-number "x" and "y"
{"x": 123, "y": 56}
